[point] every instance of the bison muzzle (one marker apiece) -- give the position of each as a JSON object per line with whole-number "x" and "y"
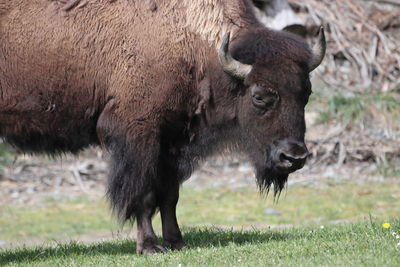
{"x": 159, "y": 88}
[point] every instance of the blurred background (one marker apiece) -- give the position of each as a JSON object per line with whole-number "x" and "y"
{"x": 353, "y": 121}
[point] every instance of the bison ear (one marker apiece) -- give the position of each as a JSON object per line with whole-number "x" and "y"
{"x": 319, "y": 49}
{"x": 204, "y": 90}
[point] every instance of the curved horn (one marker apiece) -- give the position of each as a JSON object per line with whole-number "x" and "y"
{"x": 318, "y": 51}
{"x": 229, "y": 64}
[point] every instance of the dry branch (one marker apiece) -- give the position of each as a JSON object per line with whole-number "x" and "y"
{"x": 364, "y": 51}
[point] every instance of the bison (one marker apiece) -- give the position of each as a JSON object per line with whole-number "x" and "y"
{"x": 160, "y": 87}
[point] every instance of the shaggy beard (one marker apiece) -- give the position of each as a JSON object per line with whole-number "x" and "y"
{"x": 268, "y": 178}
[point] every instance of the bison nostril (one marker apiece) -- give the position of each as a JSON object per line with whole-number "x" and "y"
{"x": 292, "y": 158}
{"x": 283, "y": 157}
{"x": 290, "y": 155}
{"x": 290, "y": 161}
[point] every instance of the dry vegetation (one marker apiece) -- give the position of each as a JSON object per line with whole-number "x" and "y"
{"x": 360, "y": 108}
{"x": 363, "y": 48}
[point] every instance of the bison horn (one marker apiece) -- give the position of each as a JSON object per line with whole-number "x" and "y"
{"x": 229, "y": 64}
{"x": 318, "y": 51}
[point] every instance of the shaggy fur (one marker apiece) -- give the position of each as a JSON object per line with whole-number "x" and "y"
{"x": 143, "y": 80}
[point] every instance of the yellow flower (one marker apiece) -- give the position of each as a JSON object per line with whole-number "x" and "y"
{"x": 386, "y": 225}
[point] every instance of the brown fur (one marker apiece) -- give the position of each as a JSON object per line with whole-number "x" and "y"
{"x": 146, "y": 84}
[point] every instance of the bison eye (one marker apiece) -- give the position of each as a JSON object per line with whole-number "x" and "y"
{"x": 264, "y": 98}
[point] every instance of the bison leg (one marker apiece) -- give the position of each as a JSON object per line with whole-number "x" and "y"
{"x": 131, "y": 188}
{"x": 168, "y": 200}
{"x": 146, "y": 238}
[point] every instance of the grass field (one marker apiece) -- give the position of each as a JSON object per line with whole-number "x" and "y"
{"x": 299, "y": 206}
{"x": 360, "y": 244}
{"x": 222, "y": 227}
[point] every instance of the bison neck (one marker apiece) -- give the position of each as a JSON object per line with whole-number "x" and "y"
{"x": 203, "y": 141}
{"x": 213, "y": 129}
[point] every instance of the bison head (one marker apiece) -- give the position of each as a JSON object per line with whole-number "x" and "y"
{"x": 273, "y": 71}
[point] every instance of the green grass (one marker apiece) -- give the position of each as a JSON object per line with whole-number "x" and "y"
{"x": 300, "y": 205}
{"x": 359, "y": 108}
{"x": 54, "y": 220}
{"x": 360, "y": 244}
{"x": 389, "y": 170}
{"x": 205, "y": 216}
{"x": 389, "y": 167}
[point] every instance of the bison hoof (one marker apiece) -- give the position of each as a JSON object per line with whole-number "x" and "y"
{"x": 151, "y": 249}
{"x": 180, "y": 245}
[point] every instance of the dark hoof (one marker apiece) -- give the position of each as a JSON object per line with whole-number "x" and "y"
{"x": 180, "y": 245}
{"x": 151, "y": 249}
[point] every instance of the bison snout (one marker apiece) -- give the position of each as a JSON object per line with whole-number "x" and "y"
{"x": 290, "y": 156}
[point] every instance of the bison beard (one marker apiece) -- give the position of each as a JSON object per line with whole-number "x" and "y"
{"x": 267, "y": 178}
{"x": 161, "y": 87}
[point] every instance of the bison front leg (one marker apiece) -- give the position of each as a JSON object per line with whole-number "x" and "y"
{"x": 131, "y": 188}
{"x": 168, "y": 198}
